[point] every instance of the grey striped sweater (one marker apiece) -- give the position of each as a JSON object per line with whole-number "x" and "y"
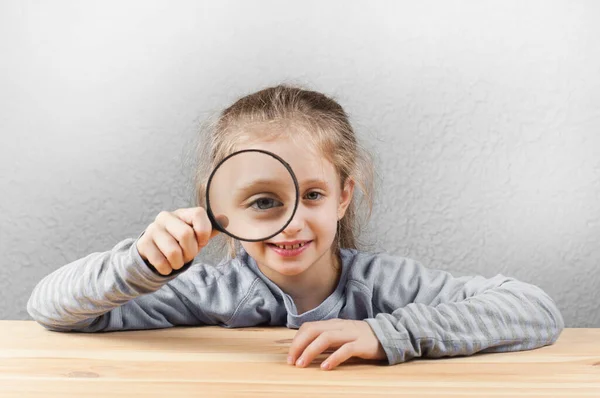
{"x": 414, "y": 311}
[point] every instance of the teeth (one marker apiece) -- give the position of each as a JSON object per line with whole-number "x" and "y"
{"x": 290, "y": 247}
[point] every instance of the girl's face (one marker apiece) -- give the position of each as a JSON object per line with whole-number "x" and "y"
{"x": 308, "y": 238}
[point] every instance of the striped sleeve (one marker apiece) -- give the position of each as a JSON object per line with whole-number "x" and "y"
{"x": 429, "y": 313}
{"x": 108, "y": 291}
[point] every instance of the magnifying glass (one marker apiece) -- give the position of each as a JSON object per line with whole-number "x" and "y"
{"x": 251, "y": 195}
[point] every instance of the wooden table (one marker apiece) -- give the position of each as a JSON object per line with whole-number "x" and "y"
{"x": 214, "y": 361}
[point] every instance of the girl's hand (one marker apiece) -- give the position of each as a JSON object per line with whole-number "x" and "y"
{"x": 352, "y": 338}
{"x": 175, "y": 238}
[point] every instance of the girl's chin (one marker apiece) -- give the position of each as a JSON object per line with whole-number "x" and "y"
{"x": 287, "y": 271}
{"x": 286, "y": 267}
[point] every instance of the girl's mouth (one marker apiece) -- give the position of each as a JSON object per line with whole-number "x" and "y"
{"x": 289, "y": 250}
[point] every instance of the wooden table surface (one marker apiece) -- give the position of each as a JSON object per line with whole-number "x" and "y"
{"x": 214, "y": 361}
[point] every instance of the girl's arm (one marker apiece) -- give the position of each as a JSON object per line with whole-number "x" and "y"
{"x": 116, "y": 290}
{"x": 429, "y": 313}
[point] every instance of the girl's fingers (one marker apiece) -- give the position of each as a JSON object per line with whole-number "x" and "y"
{"x": 153, "y": 255}
{"x": 175, "y": 238}
{"x": 342, "y": 354}
{"x": 169, "y": 247}
{"x": 325, "y": 340}
{"x": 305, "y": 335}
{"x": 198, "y": 219}
{"x": 184, "y": 234}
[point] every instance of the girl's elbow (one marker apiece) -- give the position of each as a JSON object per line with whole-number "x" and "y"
{"x": 46, "y": 321}
{"x": 557, "y": 324}
{"x": 554, "y": 321}
{"x": 55, "y": 328}
{"x": 34, "y": 313}
{"x": 543, "y": 311}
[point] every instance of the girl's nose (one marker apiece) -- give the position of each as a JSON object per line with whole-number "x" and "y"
{"x": 297, "y": 223}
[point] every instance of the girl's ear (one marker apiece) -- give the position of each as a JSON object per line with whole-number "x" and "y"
{"x": 345, "y": 197}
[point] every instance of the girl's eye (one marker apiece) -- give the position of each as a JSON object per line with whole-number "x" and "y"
{"x": 265, "y": 203}
{"x": 314, "y": 195}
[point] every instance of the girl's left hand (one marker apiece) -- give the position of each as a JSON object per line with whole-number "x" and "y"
{"x": 352, "y": 338}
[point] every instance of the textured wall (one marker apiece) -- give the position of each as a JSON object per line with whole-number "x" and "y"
{"x": 484, "y": 118}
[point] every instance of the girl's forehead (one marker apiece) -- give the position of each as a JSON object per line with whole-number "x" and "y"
{"x": 307, "y": 161}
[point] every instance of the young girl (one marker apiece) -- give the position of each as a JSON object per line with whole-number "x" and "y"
{"x": 309, "y": 276}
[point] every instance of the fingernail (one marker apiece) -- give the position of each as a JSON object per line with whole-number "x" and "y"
{"x": 300, "y": 362}
{"x": 325, "y": 365}
{"x": 290, "y": 360}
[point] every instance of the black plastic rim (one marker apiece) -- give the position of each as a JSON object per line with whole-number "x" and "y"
{"x": 211, "y": 216}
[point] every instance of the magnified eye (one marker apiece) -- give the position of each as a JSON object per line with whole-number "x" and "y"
{"x": 265, "y": 204}
{"x": 314, "y": 195}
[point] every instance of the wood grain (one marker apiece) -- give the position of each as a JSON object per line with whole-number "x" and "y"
{"x": 219, "y": 362}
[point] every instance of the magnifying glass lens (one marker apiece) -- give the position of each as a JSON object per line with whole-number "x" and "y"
{"x": 252, "y": 195}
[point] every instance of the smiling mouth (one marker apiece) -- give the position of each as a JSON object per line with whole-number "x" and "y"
{"x": 290, "y": 247}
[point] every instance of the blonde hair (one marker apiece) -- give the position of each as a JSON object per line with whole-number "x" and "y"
{"x": 302, "y": 115}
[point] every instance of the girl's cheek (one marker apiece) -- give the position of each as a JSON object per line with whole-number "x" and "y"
{"x": 327, "y": 216}
{"x": 253, "y": 248}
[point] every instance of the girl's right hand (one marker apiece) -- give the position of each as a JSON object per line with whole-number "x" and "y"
{"x": 175, "y": 238}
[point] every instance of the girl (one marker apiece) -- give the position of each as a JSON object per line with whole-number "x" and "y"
{"x": 310, "y": 276}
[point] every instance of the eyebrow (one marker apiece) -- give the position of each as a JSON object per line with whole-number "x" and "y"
{"x": 270, "y": 184}
{"x": 314, "y": 181}
{"x": 260, "y": 183}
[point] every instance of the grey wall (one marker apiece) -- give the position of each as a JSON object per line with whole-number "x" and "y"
{"x": 484, "y": 118}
